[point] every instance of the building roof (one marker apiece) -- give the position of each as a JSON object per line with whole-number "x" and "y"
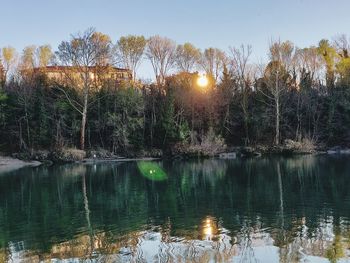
{"x": 62, "y": 68}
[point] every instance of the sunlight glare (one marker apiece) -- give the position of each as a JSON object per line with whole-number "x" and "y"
{"x": 202, "y": 81}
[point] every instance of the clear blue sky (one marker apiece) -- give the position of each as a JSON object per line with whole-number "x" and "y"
{"x": 220, "y": 23}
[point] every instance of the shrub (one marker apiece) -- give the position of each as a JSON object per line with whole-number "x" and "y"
{"x": 207, "y": 145}
{"x": 306, "y": 145}
{"x": 68, "y": 155}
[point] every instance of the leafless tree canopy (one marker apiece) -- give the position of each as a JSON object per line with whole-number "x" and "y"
{"x": 341, "y": 43}
{"x": 239, "y": 59}
{"x": 129, "y": 52}
{"x": 85, "y": 50}
{"x": 161, "y": 52}
{"x": 308, "y": 61}
{"x": 213, "y": 61}
{"x": 187, "y": 57}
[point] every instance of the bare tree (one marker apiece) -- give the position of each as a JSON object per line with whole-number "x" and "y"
{"x": 309, "y": 61}
{"x": 213, "y": 61}
{"x": 276, "y": 78}
{"x": 187, "y": 57}
{"x": 82, "y": 54}
{"x": 161, "y": 52}
{"x": 342, "y": 45}
{"x": 129, "y": 51}
{"x": 309, "y": 68}
{"x": 243, "y": 74}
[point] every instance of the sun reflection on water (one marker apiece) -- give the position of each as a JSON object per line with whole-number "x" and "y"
{"x": 209, "y": 228}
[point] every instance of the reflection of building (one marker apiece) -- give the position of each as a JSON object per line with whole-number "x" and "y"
{"x": 207, "y": 242}
{"x": 98, "y": 74}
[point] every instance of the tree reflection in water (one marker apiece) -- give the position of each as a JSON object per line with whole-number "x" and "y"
{"x": 266, "y": 210}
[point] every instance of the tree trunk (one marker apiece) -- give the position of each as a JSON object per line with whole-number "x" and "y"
{"x": 298, "y": 130}
{"x": 277, "y": 105}
{"x": 246, "y": 118}
{"x": 87, "y": 213}
{"x": 277, "y": 136}
{"x": 83, "y": 122}
{"x": 280, "y": 189}
{"x": 244, "y": 106}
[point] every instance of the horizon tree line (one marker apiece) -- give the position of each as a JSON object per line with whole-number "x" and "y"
{"x": 300, "y": 94}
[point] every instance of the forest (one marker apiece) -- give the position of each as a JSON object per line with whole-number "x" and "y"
{"x": 301, "y": 94}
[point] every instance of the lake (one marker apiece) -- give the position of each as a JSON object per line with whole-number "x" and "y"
{"x": 268, "y": 209}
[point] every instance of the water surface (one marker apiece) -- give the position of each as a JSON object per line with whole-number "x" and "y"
{"x": 254, "y": 210}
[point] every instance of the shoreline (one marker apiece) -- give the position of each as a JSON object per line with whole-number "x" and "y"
{"x": 101, "y": 160}
{"x": 9, "y": 164}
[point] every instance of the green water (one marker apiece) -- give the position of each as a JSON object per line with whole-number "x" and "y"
{"x": 255, "y": 210}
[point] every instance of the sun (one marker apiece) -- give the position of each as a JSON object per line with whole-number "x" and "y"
{"x": 202, "y": 81}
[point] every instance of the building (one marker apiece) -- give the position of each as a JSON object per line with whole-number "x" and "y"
{"x": 66, "y": 75}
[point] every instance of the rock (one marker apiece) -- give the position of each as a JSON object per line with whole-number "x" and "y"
{"x": 125, "y": 251}
{"x": 338, "y": 150}
{"x": 47, "y": 162}
{"x": 331, "y": 152}
{"x": 249, "y": 151}
{"x": 335, "y": 149}
{"x": 154, "y": 153}
{"x": 229, "y": 155}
